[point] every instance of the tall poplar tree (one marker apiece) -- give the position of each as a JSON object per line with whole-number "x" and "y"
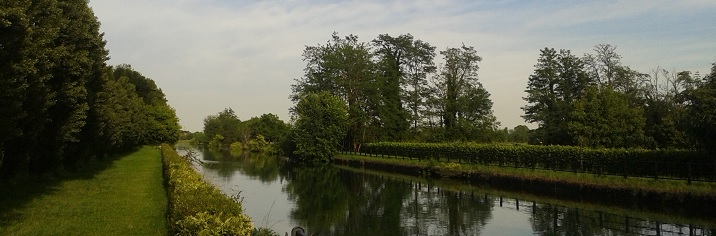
{"x": 558, "y": 80}
{"x": 465, "y": 105}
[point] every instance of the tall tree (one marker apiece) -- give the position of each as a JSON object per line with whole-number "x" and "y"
{"x": 558, "y": 80}
{"x": 320, "y": 126}
{"x": 390, "y": 52}
{"x": 411, "y": 61}
{"x": 701, "y": 115}
{"x": 466, "y": 106}
{"x": 343, "y": 67}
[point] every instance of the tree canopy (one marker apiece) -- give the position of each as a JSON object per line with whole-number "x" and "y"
{"x": 56, "y": 91}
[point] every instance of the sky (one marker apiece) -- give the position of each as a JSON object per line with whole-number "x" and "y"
{"x": 208, "y": 55}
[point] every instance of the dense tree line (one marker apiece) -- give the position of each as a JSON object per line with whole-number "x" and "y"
{"x": 62, "y": 104}
{"x": 225, "y": 131}
{"x": 596, "y": 101}
{"x": 395, "y": 92}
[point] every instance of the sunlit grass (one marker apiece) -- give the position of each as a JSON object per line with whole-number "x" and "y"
{"x": 126, "y": 198}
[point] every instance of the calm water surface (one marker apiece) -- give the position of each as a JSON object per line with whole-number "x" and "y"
{"x": 333, "y": 200}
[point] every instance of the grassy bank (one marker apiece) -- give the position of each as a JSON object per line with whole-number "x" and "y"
{"x": 699, "y": 196}
{"x": 123, "y": 195}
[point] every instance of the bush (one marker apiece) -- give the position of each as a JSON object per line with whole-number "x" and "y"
{"x": 236, "y": 147}
{"x": 258, "y": 144}
{"x": 628, "y": 162}
{"x": 195, "y": 206}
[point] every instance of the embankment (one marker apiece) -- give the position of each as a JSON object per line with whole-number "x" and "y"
{"x": 697, "y": 199}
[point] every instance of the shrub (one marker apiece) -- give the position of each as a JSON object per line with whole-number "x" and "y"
{"x": 236, "y": 147}
{"x": 627, "y": 162}
{"x": 195, "y": 206}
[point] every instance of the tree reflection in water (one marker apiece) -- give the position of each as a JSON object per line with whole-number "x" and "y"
{"x": 326, "y": 200}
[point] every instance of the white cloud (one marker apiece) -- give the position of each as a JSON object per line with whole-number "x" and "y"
{"x": 209, "y": 55}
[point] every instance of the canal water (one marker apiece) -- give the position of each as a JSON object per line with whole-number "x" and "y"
{"x": 335, "y": 200}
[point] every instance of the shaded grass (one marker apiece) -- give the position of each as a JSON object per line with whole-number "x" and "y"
{"x": 123, "y": 195}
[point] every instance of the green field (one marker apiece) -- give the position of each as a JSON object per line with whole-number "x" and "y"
{"x": 123, "y": 195}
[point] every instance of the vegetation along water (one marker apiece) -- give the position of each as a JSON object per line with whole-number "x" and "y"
{"x": 337, "y": 200}
{"x": 600, "y": 126}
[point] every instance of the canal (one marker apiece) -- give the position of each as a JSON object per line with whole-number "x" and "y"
{"x": 336, "y": 200}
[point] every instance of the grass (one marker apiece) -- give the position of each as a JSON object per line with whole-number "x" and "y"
{"x": 123, "y": 195}
{"x": 665, "y": 187}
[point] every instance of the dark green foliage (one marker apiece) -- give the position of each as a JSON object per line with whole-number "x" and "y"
{"x": 558, "y": 80}
{"x": 321, "y": 124}
{"x": 629, "y": 162}
{"x": 701, "y": 111}
{"x": 61, "y": 103}
{"x": 520, "y": 134}
{"x": 402, "y": 67}
{"x": 387, "y": 91}
{"x": 270, "y": 127}
{"x": 225, "y": 124}
{"x": 604, "y": 118}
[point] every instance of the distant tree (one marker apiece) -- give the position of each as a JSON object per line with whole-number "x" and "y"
{"x": 226, "y": 124}
{"x": 700, "y": 117}
{"x": 520, "y": 134}
{"x": 321, "y": 124}
{"x": 270, "y": 127}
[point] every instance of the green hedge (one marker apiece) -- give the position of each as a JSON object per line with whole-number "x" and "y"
{"x": 197, "y": 207}
{"x": 681, "y": 164}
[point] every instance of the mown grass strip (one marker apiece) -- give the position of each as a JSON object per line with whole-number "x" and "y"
{"x": 126, "y": 198}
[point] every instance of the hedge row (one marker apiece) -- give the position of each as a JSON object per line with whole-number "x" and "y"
{"x": 197, "y": 207}
{"x": 681, "y": 164}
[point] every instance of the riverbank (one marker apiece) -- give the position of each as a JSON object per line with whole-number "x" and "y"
{"x": 664, "y": 195}
{"x": 122, "y": 195}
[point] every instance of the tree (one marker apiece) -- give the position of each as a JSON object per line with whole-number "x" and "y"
{"x": 700, "y": 113}
{"x": 604, "y": 118}
{"x": 226, "y": 124}
{"x": 61, "y": 103}
{"x": 404, "y": 64}
{"x": 464, "y": 105}
{"x": 391, "y": 115}
{"x": 558, "y": 80}
{"x": 321, "y": 124}
{"x": 519, "y": 134}
{"x": 270, "y": 127}
{"x": 665, "y": 109}
{"x": 343, "y": 67}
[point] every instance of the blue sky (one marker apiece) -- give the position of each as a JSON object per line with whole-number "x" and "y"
{"x": 210, "y": 55}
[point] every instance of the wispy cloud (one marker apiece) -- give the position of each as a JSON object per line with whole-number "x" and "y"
{"x": 208, "y": 55}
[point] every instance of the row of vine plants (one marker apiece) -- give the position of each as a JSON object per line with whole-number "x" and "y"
{"x": 672, "y": 164}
